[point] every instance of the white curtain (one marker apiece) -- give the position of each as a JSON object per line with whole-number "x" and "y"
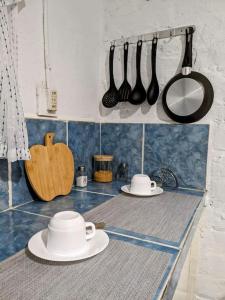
{"x": 9, "y": 2}
{"x": 13, "y": 131}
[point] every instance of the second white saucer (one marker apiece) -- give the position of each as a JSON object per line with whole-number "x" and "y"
{"x": 157, "y": 191}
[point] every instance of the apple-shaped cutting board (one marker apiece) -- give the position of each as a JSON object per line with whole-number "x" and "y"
{"x": 51, "y": 169}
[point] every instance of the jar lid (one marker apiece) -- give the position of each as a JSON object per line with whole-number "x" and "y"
{"x": 103, "y": 157}
{"x": 81, "y": 168}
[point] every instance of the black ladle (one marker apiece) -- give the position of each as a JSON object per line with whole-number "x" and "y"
{"x": 138, "y": 95}
{"x": 153, "y": 90}
{"x": 111, "y": 97}
{"x": 125, "y": 89}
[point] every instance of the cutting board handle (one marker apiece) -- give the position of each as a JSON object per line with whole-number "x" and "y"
{"x": 49, "y": 138}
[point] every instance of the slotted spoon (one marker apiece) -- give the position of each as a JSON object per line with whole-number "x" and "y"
{"x": 125, "y": 89}
{"x": 112, "y": 96}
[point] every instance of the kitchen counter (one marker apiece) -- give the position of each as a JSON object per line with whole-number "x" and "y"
{"x": 164, "y": 238}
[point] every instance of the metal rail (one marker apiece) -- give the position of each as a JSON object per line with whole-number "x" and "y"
{"x": 147, "y": 37}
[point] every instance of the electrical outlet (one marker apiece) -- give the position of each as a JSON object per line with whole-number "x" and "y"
{"x": 46, "y": 101}
{"x": 52, "y": 101}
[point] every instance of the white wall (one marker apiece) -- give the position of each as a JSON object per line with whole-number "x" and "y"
{"x": 74, "y": 48}
{"x": 204, "y": 275}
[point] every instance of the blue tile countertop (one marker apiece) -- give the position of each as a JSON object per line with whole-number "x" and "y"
{"x": 19, "y": 223}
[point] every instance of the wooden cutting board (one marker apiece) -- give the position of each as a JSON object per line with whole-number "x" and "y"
{"x": 51, "y": 169}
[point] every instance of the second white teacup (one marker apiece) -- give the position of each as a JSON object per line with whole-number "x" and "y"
{"x": 142, "y": 184}
{"x": 67, "y": 234}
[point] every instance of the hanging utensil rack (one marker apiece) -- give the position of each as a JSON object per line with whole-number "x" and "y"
{"x": 147, "y": 37}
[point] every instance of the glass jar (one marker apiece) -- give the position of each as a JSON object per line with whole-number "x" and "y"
{"x": 103, "y": 168}
{"x": 122, "y": 172}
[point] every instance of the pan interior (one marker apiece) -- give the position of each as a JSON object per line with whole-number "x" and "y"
{"x": 185, "y": 96}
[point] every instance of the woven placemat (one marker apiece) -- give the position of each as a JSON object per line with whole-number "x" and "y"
{"x": 123, "y": 271}
{"x": 165, "y": 217}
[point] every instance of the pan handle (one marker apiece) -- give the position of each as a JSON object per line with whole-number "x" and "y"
{"x": 187, "y": 62}
{"x": 125, "y": 46}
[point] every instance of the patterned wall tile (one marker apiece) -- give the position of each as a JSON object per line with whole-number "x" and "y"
{"x": 84, "y": 141}
{"x": 3, "y": 184}
{"x": 181, "y": 148}
{"x": 37, "y": 128}
{"x": 22, "y": 191}
{"x": 124, "y": 142}
{"x": 16, "y": 228}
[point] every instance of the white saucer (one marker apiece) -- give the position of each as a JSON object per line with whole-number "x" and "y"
{"x": 37, "y": 246}
{"x": 157, "y": 191}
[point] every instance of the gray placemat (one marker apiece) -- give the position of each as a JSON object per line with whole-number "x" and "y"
{"x": 165, "y": 217}
{"x": 122, "y": 271}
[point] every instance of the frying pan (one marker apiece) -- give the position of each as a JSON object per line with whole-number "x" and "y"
{"x": 188, "y": 96}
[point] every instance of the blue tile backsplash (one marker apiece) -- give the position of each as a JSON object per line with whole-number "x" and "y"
{"x": 181, "y": 148}
{"x": 124, "y": 142}
{"x": 37, "y": 129}
{"x": 3, "y": 184}
{"x": 84, "y": 141}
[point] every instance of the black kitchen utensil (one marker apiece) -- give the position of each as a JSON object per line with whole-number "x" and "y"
{"x": 164, "y": 178}
{"x": 188, "y": 96}
{"x": 153, "y": 90}
{"x": 99, "y": 225}
{"x": 122, "y": 172}
{"x": 138, "y": 94}
{"x": 125, "y": 89}
{"x": 111, "y": 97}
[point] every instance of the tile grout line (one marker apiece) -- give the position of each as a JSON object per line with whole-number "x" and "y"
{"x": 30, "y": 213}
{"x": 15, "y": 207}
{"x": 5, "y": 210}
{"x": 104, "y": 194}
{"x": 100, "y": 137}
{"x": 67, "y": 133}
{"x": 191, "y": 189}
{"x": 143, "y": 240}
{"x": 19, "y": 205}
{"x": 143, "y": 149}
{"x": 10, "y": 200}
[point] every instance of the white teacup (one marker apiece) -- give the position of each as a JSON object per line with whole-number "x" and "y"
{"x": 142, "y": 184}
{"x": 67, "y": 233}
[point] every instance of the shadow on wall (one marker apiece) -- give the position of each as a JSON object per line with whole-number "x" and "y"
{"x": 22, "y": 190}
{"x": 4, "y": 170}
{"x": 21, "y": 5}
{"x": 3, "y": 184}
